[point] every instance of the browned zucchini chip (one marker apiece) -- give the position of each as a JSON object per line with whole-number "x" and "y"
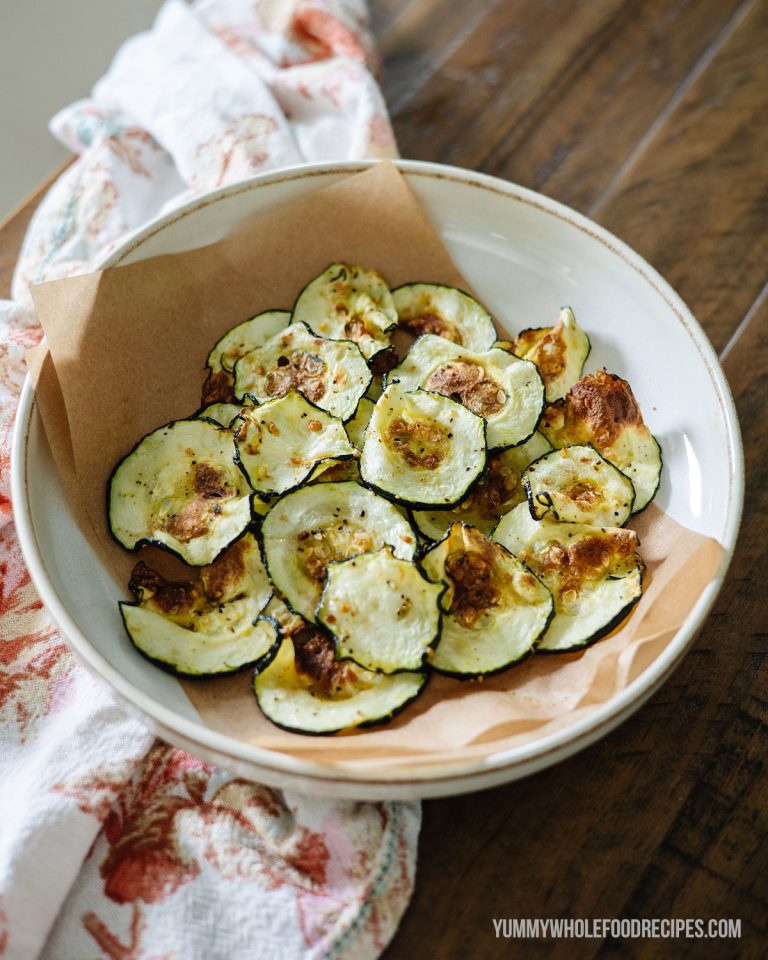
{"x": 421, "y": 448}
{"x": 304, "y": 689}
{"x": 601, "y": 410}
{"x": 445, "y": 312}
{"x": 496, "y": 609}
{"x": 180, "y": 488}
{"x": 308, "y": 529}
{"x": 208, "y": 626}
{"x": 594, "y": 573}
{"x": 559, "y": 352}
{"x": 577, "y": 485}
{"x": 349, "y": 302}
{"x": 332, "y": 374}
{"x": 504, "y": 390}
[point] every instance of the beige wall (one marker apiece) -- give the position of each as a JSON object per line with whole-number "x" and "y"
{"x": 51, "y": 52}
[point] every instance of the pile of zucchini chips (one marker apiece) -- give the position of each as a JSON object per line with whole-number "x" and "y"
{"x": 357, "y": 521}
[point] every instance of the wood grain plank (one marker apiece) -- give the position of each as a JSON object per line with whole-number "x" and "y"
{"x": 496, "y": 75}
{"x": 695, "y": 201}
{"x": 417, "y": 41}
{"x": 383, "y": 12}
{"x": 557, "y": 99}
{"x": 581, "y": 130}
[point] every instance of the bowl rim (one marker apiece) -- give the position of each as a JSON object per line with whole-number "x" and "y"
{"x": 449, "y": 776}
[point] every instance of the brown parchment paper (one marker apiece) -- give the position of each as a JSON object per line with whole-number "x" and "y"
{"x": 127, "y": 349}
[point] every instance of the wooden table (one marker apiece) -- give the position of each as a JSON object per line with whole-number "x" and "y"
{"x": 650, "y": 117}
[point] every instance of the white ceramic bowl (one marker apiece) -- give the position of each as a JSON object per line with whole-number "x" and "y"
{"x": 503, "y": 238}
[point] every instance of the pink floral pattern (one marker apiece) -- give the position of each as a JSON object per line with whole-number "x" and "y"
{"x": 179, "y": 823}
{"x": 95, "y": 790}
{"x": 324, "y": 35}
{"x": 35, "y": 666}
{"x": 240, "y": 149}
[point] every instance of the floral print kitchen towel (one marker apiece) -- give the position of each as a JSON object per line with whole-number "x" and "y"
{"x": 113, "y": 845}
{"x": 210, "y": 95}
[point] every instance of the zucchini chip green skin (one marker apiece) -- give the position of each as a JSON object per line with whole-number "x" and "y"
{"x": 289, "y": 621}
{"x": 422, "y": 449}
{"x": 245, "y": 337}
{"x": 495, "y": 384}
{"x": 214, "y": 625}
{"x": 297, "y": 702}
{"x": 383, "y": 611}
{"x": 559, "y": 352}
{"x": 317, "y": 524}
{"x": 357, "y": 426}
{"x": 601, "y": 410}
{"x": 180, "y": 489}
{"x": 330, "y": 373}
{"x": 376, "y": 388}
{"x": 222, "y": 414}
{"x": 335, "y": 471}
{"x": 496, "y": 610}
{"x": 498, "y": 489}
{"x": 446, "y": 312}
{"x": 280, "y": 443}
{"x": 169, "y": 647}
{"x": 348, "y": 302}
{"x": 594, "y": 573}
{"x": 576, "y": 485}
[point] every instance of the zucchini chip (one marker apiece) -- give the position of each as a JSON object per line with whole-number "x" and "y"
{"x": 235, "y": 344}
{"x": 202, "y": 653}
{"x": 280, "y": 443}
{"x": 576, "y": 485}
{"x": 559, "y": 352}
{"x": 288, "y": 621}
{"x": 348, "y": 302}
{"x": 332, "y": 374}
{"x": 304, "y": 689}
{"x": 495, "y": 384}
{"x": 445, "y": 312}
{"x": 356, "y": 427}
{"x": 383, "y": 611}
{"x": 245, "y": 337}
{"x": 422, "y": 448}
{"x": 495, "y": 493}
{"x": 180, "y": 488}
{"x": 311, "y": 527}
{"x": 594, "y": 573}
{"x": 223, "y": 414}
{"x": 207, "y": 627}
{"x": 496, "y": 609}
{"x": 601, "y": 410}
{"x": 335, "y": 471}
{"x": 376, "y": 388}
